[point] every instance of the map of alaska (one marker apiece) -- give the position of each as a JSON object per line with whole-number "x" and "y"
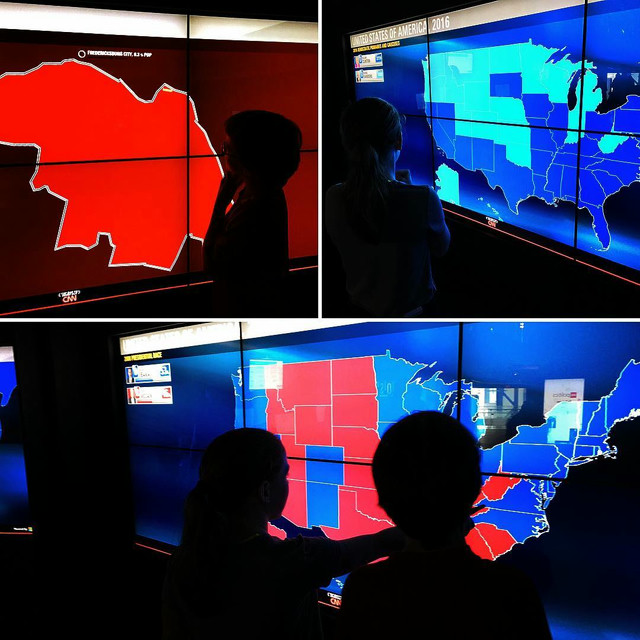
{"x": 116, "y": 161}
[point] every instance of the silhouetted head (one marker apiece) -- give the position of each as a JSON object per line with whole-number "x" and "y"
{"x": 427, "y": 473}
{"x": 241, "y": 470}
{"x": 370, "y": 123}
{"x": 263, "y": 145}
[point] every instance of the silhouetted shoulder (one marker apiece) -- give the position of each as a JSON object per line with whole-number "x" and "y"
{"x": 265, "y": 587}
{"x": 408, "y": 205}
{"x": 449, "y": 593}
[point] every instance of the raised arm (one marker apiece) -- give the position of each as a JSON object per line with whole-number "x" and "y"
{"x": 326, "y": 559}
{"x": 228, "y": 187}
{"x": 361, "y": 550}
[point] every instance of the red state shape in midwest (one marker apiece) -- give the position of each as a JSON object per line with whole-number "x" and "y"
{"x": 89, "y": 115}
{"x": 359, "y": 514}
{"x": 353, "y": 375}
{"x": 306, "y": 384}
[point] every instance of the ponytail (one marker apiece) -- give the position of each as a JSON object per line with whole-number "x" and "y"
{"x": 204, "y": 521}
{"x": 366, "y": 191}
{"x": 370, "y": 129}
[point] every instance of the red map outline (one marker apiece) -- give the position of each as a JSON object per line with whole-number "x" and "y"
{"x": 150, "y": 229}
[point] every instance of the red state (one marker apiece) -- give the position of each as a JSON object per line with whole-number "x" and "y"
{"x": 367, "y": 502}
{"x": 353, "y": 522}
{"x": 353, "y": 375}
{"x": 355, "y": 411}
{"x": 306, "y": 383}
{"x": 204, "y": 179}
{"x": 495, "y": 487}
{"x": 497, "y": 541}
{"x": 357, "y": 442}
{"x": 293, "y": 450}
{"x": 478, "y": 545}
{"x": 313, "y": 426}
{"x": 89, "y": 116}
{"x": 296, "y": 507}
{"x": 139, "y": 205}
{"x": 297, "y": 470}
{"x": 278, "y": 420}
{"x": 358, "y": 475}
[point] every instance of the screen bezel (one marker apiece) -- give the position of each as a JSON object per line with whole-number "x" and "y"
{"x": 325, "y": 596}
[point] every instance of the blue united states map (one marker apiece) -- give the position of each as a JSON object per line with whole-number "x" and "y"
{"x": 574, "y": 433}
{"x": 529, "y": 84}
{"x": 531, "y": 464}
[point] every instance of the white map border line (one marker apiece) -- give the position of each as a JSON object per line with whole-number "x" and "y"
{"x": 57, "y": 246}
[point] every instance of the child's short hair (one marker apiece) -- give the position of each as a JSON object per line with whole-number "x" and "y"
{"x": 427, "y": 472}
{"x": 267, "y": 144}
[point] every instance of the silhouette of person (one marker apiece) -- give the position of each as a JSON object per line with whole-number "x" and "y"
{"x": 426, "y": 470}
{"x": 246, "y": 248}
{"x": 385, "y": 230}
{"x": 229, "y": 578}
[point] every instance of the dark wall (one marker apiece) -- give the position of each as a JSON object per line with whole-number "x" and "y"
{"x": 80, "y": 573}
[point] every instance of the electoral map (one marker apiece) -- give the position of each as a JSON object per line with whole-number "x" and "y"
{"x": 555, "y": 407}
{"x": 534, "y": 116}
{"x": 110, "y": 136}
{"x": 331, "y": 413}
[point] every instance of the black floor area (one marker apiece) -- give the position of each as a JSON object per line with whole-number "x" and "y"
{"x": 486, "y": 275}
{"x": 195, "y": 301}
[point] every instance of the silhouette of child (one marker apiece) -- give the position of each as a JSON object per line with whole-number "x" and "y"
{"x": 246, "y": 248}
{"x": 427, "y": 473}
{"x": 229, "y": 578}
{"x": 385, "y": 230}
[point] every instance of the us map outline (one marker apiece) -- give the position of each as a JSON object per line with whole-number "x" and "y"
{"x": 513, "y": 503}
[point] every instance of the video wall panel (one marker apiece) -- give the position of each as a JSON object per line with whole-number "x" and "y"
{"x": 85, "y": 92}
{"x": 531, "y": 109}
{"x": 15, "y": 514}
{"x": 554, "y": 406}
